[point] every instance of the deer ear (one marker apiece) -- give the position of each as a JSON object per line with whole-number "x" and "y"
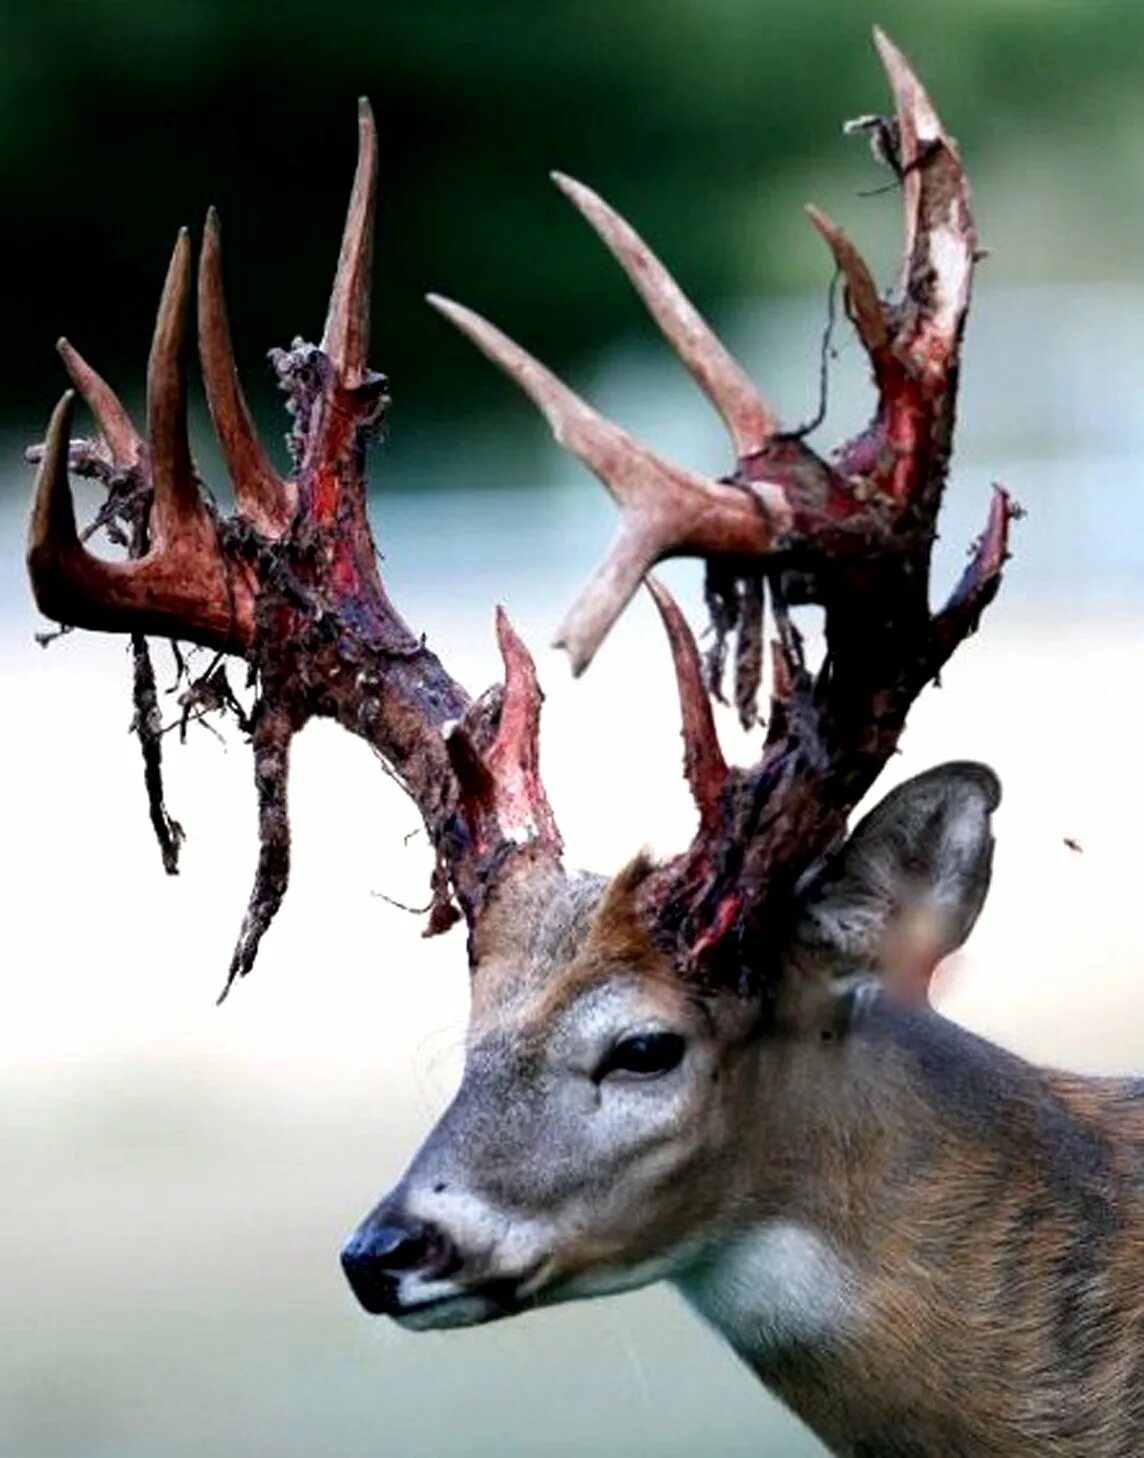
{"x": 906, "y": 887}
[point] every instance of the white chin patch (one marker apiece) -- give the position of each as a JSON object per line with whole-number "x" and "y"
{"x": 611, "y": 1280}
{"x": 452, "y": 1311}
{"x": 429, "y": 1304}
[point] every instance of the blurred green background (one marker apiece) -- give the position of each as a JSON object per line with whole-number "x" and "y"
{"x": 707, "y": 122}
{"x": 175, "y": 1180}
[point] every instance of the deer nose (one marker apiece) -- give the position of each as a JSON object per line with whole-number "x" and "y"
{"x": 379, "y": 1253}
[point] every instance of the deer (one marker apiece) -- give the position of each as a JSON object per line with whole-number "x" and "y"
{"x": 719, "y": 1069}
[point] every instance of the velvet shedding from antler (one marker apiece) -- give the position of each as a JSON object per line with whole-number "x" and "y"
{"x": 853, "y": 533}
{"x": 290, "y": 581}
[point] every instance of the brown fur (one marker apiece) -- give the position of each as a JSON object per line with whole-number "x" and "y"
{"x": 616, "y": 938}
{"x": 993, "y": 1211}
{"x": 997, "y": 1227}
{"x": 986, "y": 1217}
{"x": 996, "y": 1218}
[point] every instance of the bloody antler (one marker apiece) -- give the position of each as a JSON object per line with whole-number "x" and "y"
{"x": 853, "y": 533}
{"x": 290, "y": 581}
{"x": 179, "y": 584}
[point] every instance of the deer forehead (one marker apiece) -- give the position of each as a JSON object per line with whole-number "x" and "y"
{"x": 553, "y": 948}
{"x": 577, "y": 1009}
{"x": 532, "y": 930}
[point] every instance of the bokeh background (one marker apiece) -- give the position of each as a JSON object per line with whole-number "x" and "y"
{"x": 175, "y": 1179}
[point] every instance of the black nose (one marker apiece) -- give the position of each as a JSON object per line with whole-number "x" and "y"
{"x": 379, "y": 1252}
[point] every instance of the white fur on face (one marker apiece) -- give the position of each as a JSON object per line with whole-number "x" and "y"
{"x": 507, "y": 1243}
{"x": 774, "y": 1285}
{"x": 502, "y": 1244}
{"x": 568, "y": 1119}
{"x": 516, "y": 1246}
{"x": 609, "y": 1280}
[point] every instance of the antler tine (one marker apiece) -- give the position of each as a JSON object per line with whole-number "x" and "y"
{"x": 263, "y": 496}
{"x": 112, "y": 419}
{"x": 176, "y": 490}
{"x": 52, "y": 534}
{"x": 664, "y": 507}
{"x": 70, "y": 585}
{"x": 628, "y": 471}
{"x": 703, "y": 761}
{"x": 865, "y": 305}
{"x": 978, "y": 584}
{"x": 917, "y": 116}
{"x": 592, "y": 616}
{"x": 718, "y": 374}
{"x": 176, "y": 594}
{"x": 940, "y": 243}
{"x": 494, "y": 751}
{"x": 345, "y": 338}
{"x": 625, "y": 468}
{"x": 513, "y": 758}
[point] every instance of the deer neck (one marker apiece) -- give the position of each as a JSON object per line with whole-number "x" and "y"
{"x": 951, "y": 1271}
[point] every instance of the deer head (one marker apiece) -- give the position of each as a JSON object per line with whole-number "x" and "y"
{"x": 625, "y": 1030}
{"x": 618, "y": 1122}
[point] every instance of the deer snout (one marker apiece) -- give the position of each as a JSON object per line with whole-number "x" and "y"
{"x": 387, "y": 1248}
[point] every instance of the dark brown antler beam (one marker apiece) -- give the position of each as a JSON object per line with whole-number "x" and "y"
{"x": 290, "y": 582}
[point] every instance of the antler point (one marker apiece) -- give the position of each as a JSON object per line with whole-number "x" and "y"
{"x": 564, "y": 643}
{"x": 657, "y": 590}
{"x": 345, "y": 336}
{"x": 569, "y": 185}
{"x": 52, "y": 528}
{"x": 888, "y": 51}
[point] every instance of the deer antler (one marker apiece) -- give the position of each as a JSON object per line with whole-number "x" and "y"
{"x": 290, "y": 582}
{"x": 853, "y": 533}
{"x": 179, "y": 584}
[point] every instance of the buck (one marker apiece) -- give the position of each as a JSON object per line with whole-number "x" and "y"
{"x": 719, "y": 1069}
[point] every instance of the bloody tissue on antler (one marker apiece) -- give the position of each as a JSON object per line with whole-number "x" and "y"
{"x": 852, "y": 532}
{"x": 290, "y": 581}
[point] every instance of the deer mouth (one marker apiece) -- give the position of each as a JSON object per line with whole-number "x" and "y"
{"x": 490, "y": 1301}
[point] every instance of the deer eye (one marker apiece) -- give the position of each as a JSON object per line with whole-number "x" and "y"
{"x": 644, "y": 1055}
